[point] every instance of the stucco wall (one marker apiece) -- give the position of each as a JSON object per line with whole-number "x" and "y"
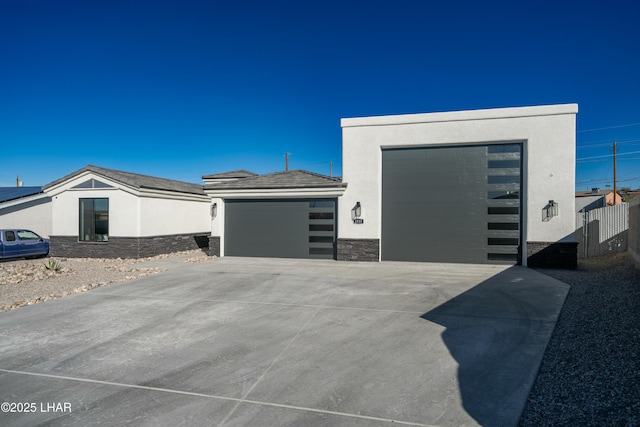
{"x": 217, "y": 224}
{"x": 634, "y": 231}
{"x": 547, "y": 134}
{"x": 34, "y": 214}
{"x": 159, "y": 216}
{"x": 132, "y": 212}
{"x": 123, "y": 211}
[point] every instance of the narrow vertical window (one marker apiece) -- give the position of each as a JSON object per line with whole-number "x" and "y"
{"x": 94, "y": 220}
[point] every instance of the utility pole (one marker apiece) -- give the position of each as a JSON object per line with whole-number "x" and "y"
{"x": 17, "y": 181}
{"x": 615, "y": 193}
{"x": 286, "y": 156}
{"x": 331, "y": 169}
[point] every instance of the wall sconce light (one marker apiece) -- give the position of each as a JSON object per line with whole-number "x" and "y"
{"x": 550, "y": 210}
{"x": 214, "y": 210}
{"x": 357, "y": 210}
{"x": 356, "y": 213}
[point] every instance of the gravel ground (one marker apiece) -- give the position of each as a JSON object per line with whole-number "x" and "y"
{"x": 590, "y": 373}
{"x": 26, "y": 282}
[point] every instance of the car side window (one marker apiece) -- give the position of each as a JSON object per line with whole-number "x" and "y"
{"x": 27, "y": 235}
{"x": 10, "y": 236}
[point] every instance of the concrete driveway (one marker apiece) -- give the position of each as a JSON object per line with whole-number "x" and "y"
{"x": 247, "y": 341}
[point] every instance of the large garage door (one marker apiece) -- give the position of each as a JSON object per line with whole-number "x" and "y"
{"x": 299, "y": 228}
{"x": 452, "y": 204}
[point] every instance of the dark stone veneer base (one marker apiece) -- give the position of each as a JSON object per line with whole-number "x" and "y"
{"x": 552, "y": 254}
{"x": 214, "y": 246}
{"x": 358, "y": 250}
{"x": 127, "y": 247}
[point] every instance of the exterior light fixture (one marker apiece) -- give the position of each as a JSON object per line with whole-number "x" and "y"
{"x": 356, "y": 213}
{"x": 214, "y": 210}
{"x": 357, "y": 210}
{"x": 550, "y": 210}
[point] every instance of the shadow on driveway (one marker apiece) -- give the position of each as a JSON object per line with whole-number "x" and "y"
{"x": 497, "y": 332}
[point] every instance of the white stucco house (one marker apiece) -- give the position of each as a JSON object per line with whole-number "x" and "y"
{"x": 98, "y": 212}
{"x": 493, "y": 185}
{"x": 481, "y": 186}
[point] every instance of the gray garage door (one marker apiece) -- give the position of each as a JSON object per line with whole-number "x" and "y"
{"x": 299, "y": 228}
{"x": 452, "y": 204}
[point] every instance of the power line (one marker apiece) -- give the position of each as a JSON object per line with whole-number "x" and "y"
{"x": 607, "y": 155}
{"x": 610, "y": 127}
{"x": 593, "y": 145}
{"x": 624, "y": 179}
{"x": 591, "y": 161}
{"x": 624, "y": 141}
{"x": 630, "y": 179}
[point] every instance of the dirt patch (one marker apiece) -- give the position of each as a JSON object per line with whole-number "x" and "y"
{"x": 26, "y": 282}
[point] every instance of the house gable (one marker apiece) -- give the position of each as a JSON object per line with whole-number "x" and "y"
{"x": 92, "y": 183}
{"x": 107, "y": 213}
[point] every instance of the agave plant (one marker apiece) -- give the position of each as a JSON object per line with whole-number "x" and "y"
{"x": 53, "y": 265}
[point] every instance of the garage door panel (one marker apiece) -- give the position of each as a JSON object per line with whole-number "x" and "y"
{"x": 443, "y": 203}
{"x": 298, "y": 228}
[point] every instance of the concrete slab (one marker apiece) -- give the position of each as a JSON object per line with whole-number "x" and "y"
{"x": 93, "y": 403}
{"x": 245, "y": 341}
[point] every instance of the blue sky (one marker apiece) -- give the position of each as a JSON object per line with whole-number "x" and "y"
{"x": 180, "y": 89}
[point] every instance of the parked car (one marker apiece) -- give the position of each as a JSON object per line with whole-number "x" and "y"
{"x": 22, "y": 243}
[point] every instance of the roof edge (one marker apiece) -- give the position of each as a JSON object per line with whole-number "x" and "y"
{"x": 450, "y": 116}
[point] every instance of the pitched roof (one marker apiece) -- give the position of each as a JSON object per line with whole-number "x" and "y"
{"x": 241, "y": 173}
{"x": 289, "y": 179}
{"x": 12, "y": 193}
{"x": 135, "y": 180}
{"x": 591, "y": 193}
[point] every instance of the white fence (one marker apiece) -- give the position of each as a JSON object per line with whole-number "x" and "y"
{"x": 602, "y": 231}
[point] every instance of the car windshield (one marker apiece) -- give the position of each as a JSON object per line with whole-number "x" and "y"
{"x": 27, "y": 235}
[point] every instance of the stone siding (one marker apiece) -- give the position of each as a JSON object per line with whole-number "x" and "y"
{"x": 214, "y": 246}
{"x": 127, "y": 247}
{"x": 358, "y": 250}
{"x": 552, "y": 255}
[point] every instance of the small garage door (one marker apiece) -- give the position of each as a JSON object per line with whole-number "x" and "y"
{"x": 298, "y": 228}
{"x": 452, "y": 204}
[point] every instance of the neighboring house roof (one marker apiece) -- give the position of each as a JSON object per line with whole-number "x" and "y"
{"x": 591, "y": 193}
{"x": 289, "y": 179}
{"x": 241, "y": 173}
{"x": 12, "y": 193}
{"x": 632, "y": 194}
{"x": 135, "y": 180}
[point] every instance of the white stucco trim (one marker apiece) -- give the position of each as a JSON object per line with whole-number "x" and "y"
{"x": 142, "y": 192}
{"x": 217, "y": 223}
{"x": 274, "y": 193}
{"x": 163, "y": 194}
{"x": 22, "y": 200}
{"x": 68, "y": 184}
{"x": 466, "y": 115}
